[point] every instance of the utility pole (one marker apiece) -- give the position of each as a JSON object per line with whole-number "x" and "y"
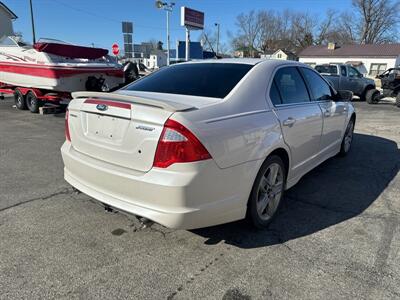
{"x": 168, "y": 8}
{"x": 217, "y": 24}
{"x": 33, "y": 22}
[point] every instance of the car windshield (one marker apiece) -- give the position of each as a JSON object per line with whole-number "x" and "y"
{"x": 214, "y": 80}
{"x": 327, "y": 69}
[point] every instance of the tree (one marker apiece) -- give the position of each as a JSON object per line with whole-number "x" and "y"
{"x": 249, "y": 29}
{"x": 373, "y": 21}
{"x": 378, "y": 20}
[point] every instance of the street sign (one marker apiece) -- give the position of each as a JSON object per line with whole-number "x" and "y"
{"x": 127, "y": 27}
{"x": 127, "y": 38}
{"x": 191, "y": 18}
{"x": 115, "y": 49}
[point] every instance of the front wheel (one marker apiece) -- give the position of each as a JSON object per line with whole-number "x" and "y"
{"x": 398, "y": 100}
{"x": 347, "y": 139}
{"x": 19, "y": 100}
{"x": 267, "y": 192}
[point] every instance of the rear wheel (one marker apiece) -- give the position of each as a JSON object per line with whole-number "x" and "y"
{"x": 267, "y": 192}
{"x": 347, "y": 139}
{"x": 398, "y": 100}
{"x": 372, "y": 96}
{"x": 19, "y": 99}
{"x": 33, "y": 102}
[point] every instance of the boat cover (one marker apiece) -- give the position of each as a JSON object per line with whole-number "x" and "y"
{"x": 71, "y": 51}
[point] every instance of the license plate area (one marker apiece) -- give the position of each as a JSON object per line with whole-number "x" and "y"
{"x": 106, "y": 128}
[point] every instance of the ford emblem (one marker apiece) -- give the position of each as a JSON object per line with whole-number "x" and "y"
{"x": 102, "y": 107}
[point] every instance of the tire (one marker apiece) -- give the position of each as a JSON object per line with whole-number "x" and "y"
{"x": 372, "y": 96}
{"x": 363, "y": 96}
{"x": 347, "y": 138}
{"x": 19, "y": 99}
{"x": 259, "y": 212}
{"x": 398, "y": 100}
{"x": 33, "y": 103}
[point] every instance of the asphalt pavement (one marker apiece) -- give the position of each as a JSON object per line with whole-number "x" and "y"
{"x": 337, "y": 235}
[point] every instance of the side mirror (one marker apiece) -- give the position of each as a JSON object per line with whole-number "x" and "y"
{"x": 344, "y": 95}
{"x": 360, "y": 75}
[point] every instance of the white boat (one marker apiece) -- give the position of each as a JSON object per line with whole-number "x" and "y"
{"x": 57, "y": 66}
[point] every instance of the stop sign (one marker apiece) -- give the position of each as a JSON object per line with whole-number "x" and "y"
{"x": 115, "y": 49}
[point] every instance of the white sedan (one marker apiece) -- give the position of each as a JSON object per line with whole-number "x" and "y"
{"x": 204, "y": 143}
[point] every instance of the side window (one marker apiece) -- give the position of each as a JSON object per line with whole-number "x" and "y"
{"x": 353, "y": 72}
{"x": 343, "y": 71}
{"x": 319, "y": 88}
{"x": 274, "y": 94}
{"x": 291, "y": 86}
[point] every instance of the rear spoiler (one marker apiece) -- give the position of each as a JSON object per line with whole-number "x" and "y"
{"x": 166, "y": 105}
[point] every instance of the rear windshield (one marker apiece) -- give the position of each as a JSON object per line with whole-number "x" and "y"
{"x": 214, "y": 80}
{"x": 327, "y": 69}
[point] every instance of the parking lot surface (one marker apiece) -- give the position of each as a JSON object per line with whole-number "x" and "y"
{"x": 337, "y": 235}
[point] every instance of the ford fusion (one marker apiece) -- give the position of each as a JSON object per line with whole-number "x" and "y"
{"x": 204, "y": 143}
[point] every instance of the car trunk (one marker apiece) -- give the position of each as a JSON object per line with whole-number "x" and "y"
{"x": 119, "y": 129}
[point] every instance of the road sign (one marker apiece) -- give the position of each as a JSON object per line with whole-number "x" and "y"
{"x": 115, "y": 49}
{"x": 127, "y": 27}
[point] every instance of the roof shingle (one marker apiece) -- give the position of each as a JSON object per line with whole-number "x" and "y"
{"x": 366, "y": 50}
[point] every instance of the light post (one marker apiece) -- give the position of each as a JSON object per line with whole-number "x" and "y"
{"x": 168, "y": 8}
{"x": 217, "y": 24}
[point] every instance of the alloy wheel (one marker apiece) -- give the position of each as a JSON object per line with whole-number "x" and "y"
{"x": 348, "y": 136}
{"x": 270, "y": 191}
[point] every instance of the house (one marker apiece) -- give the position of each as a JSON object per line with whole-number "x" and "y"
{"x": 156, "y": 60}
{"x": 246, "y": 52}
{"x": 142, "y": 50}
{"x": 267, "y": 54}
{"x": 6, "y": 19}
{"x": 284, "y": 54}
{"x": 369, "y": 59}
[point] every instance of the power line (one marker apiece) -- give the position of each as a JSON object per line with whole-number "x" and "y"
{"x": 108, "y": 18}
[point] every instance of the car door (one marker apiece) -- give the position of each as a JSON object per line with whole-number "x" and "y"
{"x": 345, "y": 83}
{"x": 334, "y": 113}
{"x": 300, "y": 118}
{"x": 355, "y": 81}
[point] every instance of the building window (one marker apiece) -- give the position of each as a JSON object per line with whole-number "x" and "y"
{"x": 377, "y": 69}
{"x": 279, "y": 55}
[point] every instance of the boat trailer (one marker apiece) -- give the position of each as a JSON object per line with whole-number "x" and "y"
{"x": 34, "y": 99}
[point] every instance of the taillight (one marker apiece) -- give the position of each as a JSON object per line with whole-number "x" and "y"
{"x": 67, "y": 135}
{"x": 178, "y": 145}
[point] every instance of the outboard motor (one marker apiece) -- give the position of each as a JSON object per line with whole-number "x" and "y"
{"x": 94, "y": 84}
{"x": 131, "y": 72}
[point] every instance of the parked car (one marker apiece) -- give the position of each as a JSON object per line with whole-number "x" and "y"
{"x": 390, "y": 83}
{"x": 203, "y": 143}
{"x": 346, "y": 77}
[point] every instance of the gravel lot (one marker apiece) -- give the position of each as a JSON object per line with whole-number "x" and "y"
{"x": 337, "y": 236}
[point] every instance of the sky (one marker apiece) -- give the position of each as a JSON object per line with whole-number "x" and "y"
{"x": 85, "y": 22}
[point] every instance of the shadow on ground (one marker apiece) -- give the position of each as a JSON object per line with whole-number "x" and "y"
{"x": 337, "y": 190}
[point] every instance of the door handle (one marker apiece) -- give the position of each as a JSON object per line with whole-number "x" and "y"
{"x": 289, "y": 122}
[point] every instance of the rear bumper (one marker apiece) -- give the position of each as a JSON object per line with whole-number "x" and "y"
{"x": 183, "y": 196}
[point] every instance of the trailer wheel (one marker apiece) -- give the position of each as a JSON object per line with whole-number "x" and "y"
{"x": 19, "y": 99}
{"x": 32, "y": 102}
{"x": 398, "y": 100}
{"x": 372, "y": 96}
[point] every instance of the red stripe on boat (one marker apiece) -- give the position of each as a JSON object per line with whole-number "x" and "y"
{"x": 55, "y": 71}
{"x": 109, "y": 103}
